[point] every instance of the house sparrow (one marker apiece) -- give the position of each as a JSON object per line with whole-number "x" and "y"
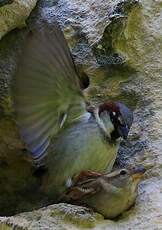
{"x": 60, "y": 134}
{"x": 109, "y": 194}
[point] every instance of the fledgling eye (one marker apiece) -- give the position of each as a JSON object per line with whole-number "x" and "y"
{"x": 123, "y": 172}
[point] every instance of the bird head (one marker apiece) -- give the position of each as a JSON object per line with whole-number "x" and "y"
{"x": 124, "y": 178}
{"x": 115, "y": 119}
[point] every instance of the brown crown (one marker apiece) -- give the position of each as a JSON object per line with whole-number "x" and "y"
{"x": 110, "y": 107}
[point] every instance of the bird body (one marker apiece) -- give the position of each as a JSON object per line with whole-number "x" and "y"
{"x": 82, "y": 146}
{"x": 51, "y": 115}
{"x": 109, "y": 194}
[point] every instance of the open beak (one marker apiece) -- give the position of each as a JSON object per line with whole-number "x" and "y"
{"x": 138, "y": 172}
{"x": 123, "y": 131}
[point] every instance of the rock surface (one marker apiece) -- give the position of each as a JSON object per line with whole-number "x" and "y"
{"x": 13, "y": 14}
{"x": 5, "y": 2}
{"x": 57, "y": 216}
{"x": 118, "y": 44}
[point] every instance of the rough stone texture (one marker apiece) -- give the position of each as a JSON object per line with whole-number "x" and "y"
{"x": 125, "y": 67}
{"x": 58, "y": 216}
{"x": 13, "y": 15}
{"x": 5, "y": 2}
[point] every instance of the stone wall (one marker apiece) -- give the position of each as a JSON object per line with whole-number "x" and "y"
{"x": 118, "y": 44}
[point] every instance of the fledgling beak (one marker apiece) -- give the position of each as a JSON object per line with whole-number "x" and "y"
{"x": 123, "y": 131}
{"x": 138, "y": 172}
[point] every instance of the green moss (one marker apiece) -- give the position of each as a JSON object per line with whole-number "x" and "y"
{"x": 112, "y": 49}
{"x": 6, "y": 107}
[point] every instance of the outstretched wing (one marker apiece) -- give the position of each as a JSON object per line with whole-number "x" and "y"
{"x": 46, "y": 90}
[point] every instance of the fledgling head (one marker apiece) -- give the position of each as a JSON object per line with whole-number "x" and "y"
{"x": 124, "y": 178}
{"x": 108, "y": 194}
{"x": 115, "y": 118}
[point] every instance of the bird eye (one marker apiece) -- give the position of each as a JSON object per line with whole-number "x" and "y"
{"x": 123, "y": 172}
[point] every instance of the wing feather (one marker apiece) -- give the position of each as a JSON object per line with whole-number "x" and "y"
{"x": 45, "y": 88}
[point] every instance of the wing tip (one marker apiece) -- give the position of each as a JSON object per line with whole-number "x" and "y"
{"x": 40, "y": 152}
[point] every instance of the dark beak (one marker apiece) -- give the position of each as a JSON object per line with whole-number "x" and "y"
{"x": 123, "y": 131}
{"x": 138, "y": 172}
